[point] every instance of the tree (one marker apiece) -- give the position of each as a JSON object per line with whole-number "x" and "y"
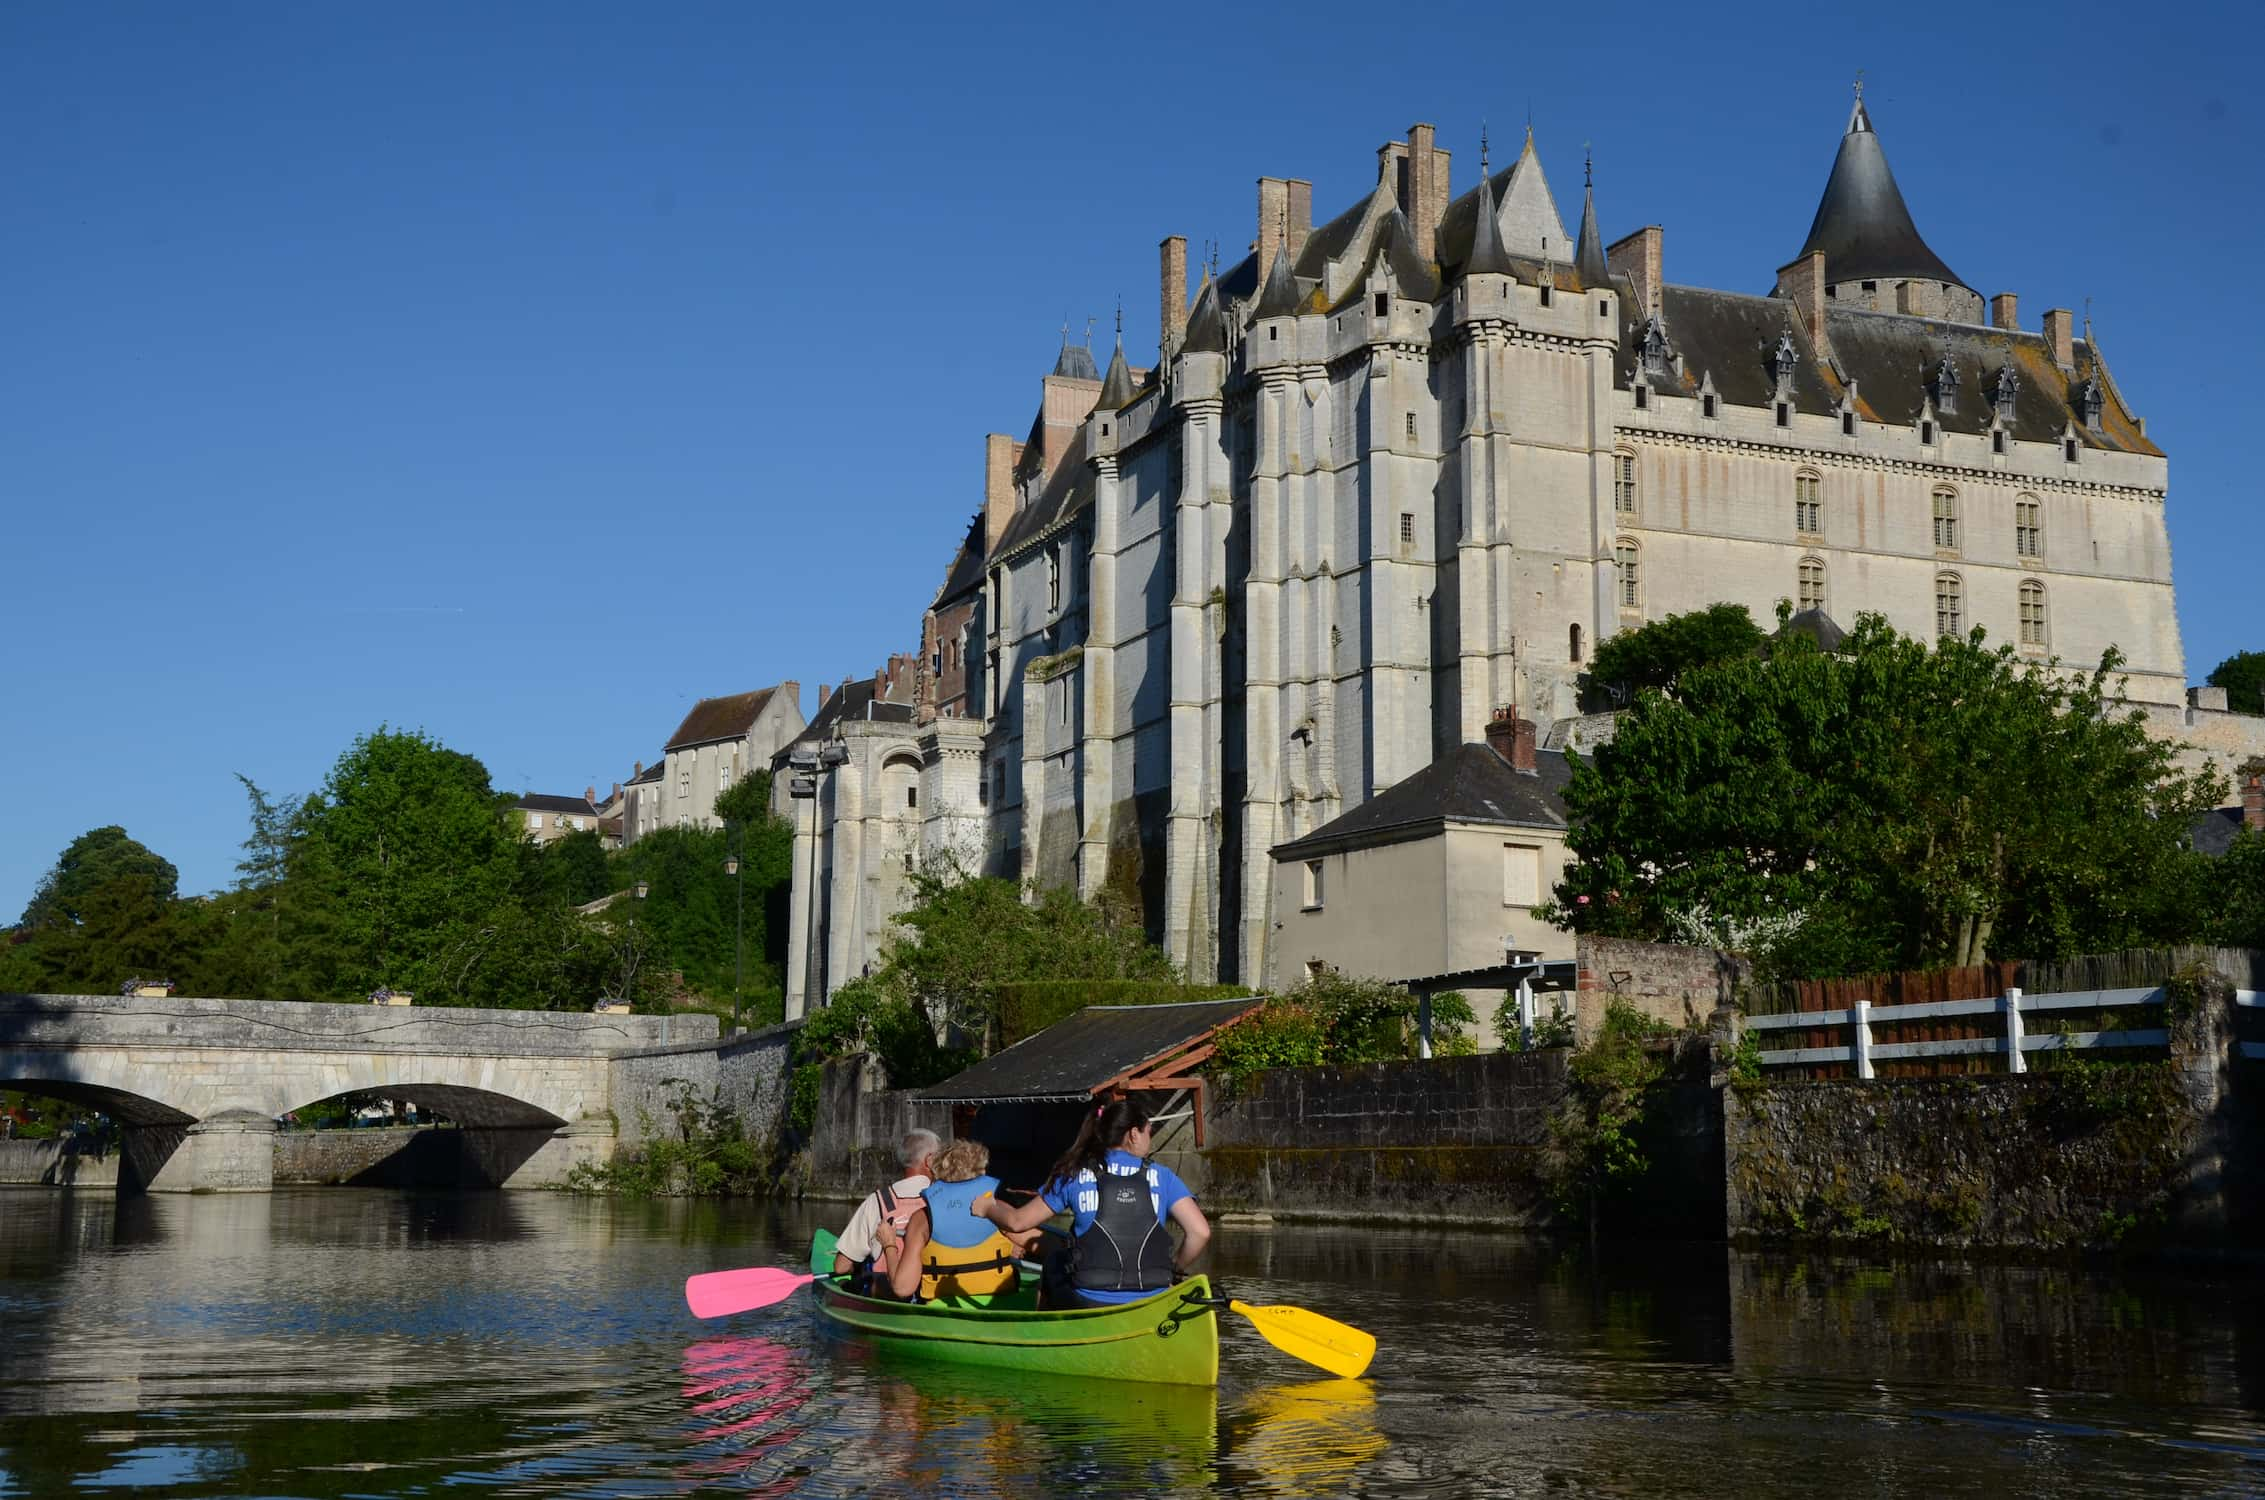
{"x": 963, "y": 936}
{"x": 1658, "y": 654}
{"x": 1888, "y": 806}
{"x": 2242, "y": 675}
{"x": 94, "y": 859}
{"x": 408, "y": 850}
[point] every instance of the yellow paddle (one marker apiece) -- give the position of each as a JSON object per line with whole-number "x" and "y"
{"x": 1336, "y": 1347}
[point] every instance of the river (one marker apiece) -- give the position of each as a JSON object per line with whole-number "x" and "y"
{"x": 347, "y": 1342}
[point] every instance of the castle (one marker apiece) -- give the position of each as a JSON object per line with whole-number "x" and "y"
{"x": 1391, "y": 472}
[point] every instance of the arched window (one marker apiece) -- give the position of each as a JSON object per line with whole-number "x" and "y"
{"x": 1946, "y": 519}
{"x": 1628, "y": 580}
{"x": 1808, "y": 504}
{"x": 2034, "y": 629}
{"x": 1812, "y": 583}
{"x": 1950, "y": 605}
{"x": 1624, "y": 483}
{"x": 2028, "y": 527}
{"x": 1573, "y": 643}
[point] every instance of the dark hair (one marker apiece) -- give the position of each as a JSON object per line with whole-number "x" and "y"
{"x": 1105, "y": 1125}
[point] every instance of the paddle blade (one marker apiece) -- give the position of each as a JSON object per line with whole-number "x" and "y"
{"x": 822, "y": 1244}
{"x": 716, "y": 1294}
{"x": 1336, "y": 1347}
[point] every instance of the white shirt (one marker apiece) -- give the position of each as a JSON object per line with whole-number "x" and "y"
{"x": 856, "y": 1240}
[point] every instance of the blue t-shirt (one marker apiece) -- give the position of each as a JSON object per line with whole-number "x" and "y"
{"x": 1082, "y": 1200}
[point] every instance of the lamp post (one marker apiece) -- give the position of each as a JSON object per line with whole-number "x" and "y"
{"x": 739, "y": 930}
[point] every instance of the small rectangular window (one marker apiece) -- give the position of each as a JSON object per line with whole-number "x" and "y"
{"x": 1313, "y": 885}
{"x": 1926, "y": 432}
{"x": 1546, "y": 289}
{"x": 1643, "y": 398}
{"x": 2068, "y": 450}
{"x": 1784, "y": 414}
{"x": 1706, "y": 405}
{"x": 1521, "y": 875}
{"x": 1848, "y": 424}
{"x": 1997, "y": 442}
{"x": 912, "y": 796}
{"x": 1407, "y": 528}
{"x": 1383, "y": 304}
{"x": 1604, "y": 308}
{"x": 1411, "y": 426}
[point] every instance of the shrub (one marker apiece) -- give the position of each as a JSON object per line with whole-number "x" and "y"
{"x": 1335, "y": 1019}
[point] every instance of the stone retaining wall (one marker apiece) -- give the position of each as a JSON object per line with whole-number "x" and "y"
{"x": 50, "y": 1163}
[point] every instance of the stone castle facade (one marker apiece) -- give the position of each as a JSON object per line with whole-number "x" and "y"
{"x": 1391, "y": 472}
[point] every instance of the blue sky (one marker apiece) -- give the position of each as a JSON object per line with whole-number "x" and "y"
{"x": 522, "y": 373}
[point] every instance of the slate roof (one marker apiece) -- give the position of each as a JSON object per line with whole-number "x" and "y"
{"x": 965, "y": 575}
{"x": 1862, "y": 225}
{"x": 1469, "y": 784}
{"x": 1733, "y": 336}
{"x": 2214, "y": 832}
{"x": 1067, "y": 492}
{"x": 853, "y": 701}
{"x": 545, "y": 802}
{"x": 1817, "y": 626}
{"x": 1072, "y": 1058}
{"x": 1075, "y": 362}
{"x": 714, "y": 719}
{"x": 1117, "y": 386}
{"x": 646, "y": 777}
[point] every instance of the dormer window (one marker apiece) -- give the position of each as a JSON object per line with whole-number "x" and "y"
{"x": 1848, "y": 424}
{"x": 1784, "y": 414}
{"x": 1927, "y": 433}
{"x": 1944, "y": 385}
{"x": 2068, "y": 450}
{"x": 1706, "y": 405}
{"x": 1784, "y": 362}
{"x": 2003, "y": 393}
{"x": 1997, "y": 440}
{"x": 1643, "y": 398}
{"x": 1656, "y": 352}
{"x": 1383, "y": 304}
{"x": 1546, "y": 291}
{"x": 2093, "y": 398}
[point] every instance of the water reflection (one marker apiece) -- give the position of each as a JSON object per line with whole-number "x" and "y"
{"x": 333, "y": 1343}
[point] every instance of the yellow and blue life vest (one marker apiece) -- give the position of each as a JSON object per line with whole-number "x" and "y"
{"x": 966, "y": 1255}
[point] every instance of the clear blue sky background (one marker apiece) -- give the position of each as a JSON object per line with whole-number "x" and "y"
{"x": 523, "y": 372}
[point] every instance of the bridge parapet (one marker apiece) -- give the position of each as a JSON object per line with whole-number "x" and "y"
{"x": 178, "y": 1020}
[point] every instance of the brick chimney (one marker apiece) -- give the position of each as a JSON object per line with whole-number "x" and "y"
{"x": 1512, "y": 738}
{"x": 825, "y": 691}
{"x": 998, "y": 487}
{"x": 1802, "y": 283}
{"x": 1273, "y": 220}
{"x": 2002, "y": 312}
{"x": 1172, "y": 291}
{"x": 1301, "y": 213}
{"x": 590, "y": 794}
{"x": 1425, "y": 198}
{"x": 636, "y": 769}
{"x": 1638, "y": 258}
{"x": 2060, "y": 332}
{"x": 2253, "y": 797}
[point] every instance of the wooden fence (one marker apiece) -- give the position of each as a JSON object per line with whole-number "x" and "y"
{"x": 1956, "y": 1021}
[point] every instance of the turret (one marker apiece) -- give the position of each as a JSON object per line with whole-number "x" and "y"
{"x": 1874, "y": 256}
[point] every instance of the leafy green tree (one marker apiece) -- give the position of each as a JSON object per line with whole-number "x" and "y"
{"x": 2242, "y": 675}
{"x": 964, "y": 936}
{"x": 1335, "y": 1020}
{"x": 90, "y": 861}
{"x": 1889, "y": 806}
{"x": 1658, "y": 654}
{"x": 2231, "y": 894}
{"x": 407, "y": 851}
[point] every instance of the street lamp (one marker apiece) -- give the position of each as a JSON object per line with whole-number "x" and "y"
{"x": 739, "y": 930}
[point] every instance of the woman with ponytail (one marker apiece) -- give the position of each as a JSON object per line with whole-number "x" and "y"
{"x": 1121, "y": 1207}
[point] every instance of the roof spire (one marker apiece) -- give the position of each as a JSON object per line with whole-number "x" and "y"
{"x": 1117, "y": 386}
{"x": 1588, "y": 258}
{"x": 1487, "y": 255}
{"x": 1862, "y": 225}
{"x": 1279, "y": 298}
{"x": 1074, "y": 362}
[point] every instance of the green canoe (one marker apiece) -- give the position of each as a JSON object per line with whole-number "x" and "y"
{"x": 1168, "y": 1338}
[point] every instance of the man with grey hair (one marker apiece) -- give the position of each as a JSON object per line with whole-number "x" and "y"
{"x": 873, "y": 1232}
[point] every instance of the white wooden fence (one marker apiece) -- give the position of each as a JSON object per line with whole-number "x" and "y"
{"x": 2014, "y": 1042}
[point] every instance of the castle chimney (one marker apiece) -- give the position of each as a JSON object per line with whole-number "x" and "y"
{"x": 1638, "y": 258}
{"x": 1423, "y": 199}
{"x": 1512, "y": 738}
{"x": 1172, "y": 292}
{"x": 2253, "y": 797}
{"x": 1301, "y": 213}
{"x": 1392, "y": 169}
{"x": 2060, "y": 332}
{"x": 1273, "y": 220}
{"x": 825, "y": 691}
{"x": 1803, "y": 284}
{"x": 998, "y": 487}
{"x": 590, "y": 794}
{"x": 636, "y": 769}
{"x": 2001, "y": 312}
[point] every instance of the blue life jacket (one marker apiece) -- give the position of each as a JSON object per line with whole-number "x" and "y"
{"x": 952, "y": 1219}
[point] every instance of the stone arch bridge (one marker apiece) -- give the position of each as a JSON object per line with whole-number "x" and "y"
{"x": 198, "y": 1086}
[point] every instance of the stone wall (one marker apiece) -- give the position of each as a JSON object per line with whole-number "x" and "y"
{"x": 748, "y": 1073}
{"x": 1447, "y": 1139}
{"x": 52, "y": 1163}
{"x": 859, "y": 1125}
{"x": 1679, "y": 985}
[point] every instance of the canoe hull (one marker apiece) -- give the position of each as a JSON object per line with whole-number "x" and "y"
{"x": 1165, "y": 1339}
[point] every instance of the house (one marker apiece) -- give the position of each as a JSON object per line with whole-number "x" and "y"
{"x": 547, "y": 818}
{"x": 720, "y": 741}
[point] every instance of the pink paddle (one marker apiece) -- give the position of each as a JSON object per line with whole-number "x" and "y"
{"x": 718, "y": 1294}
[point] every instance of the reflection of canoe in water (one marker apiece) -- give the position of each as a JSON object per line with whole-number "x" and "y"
{"x": 1169, "y": 1338}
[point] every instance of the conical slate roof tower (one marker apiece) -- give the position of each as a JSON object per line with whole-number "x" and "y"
{"x": 1862, "y": 225}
